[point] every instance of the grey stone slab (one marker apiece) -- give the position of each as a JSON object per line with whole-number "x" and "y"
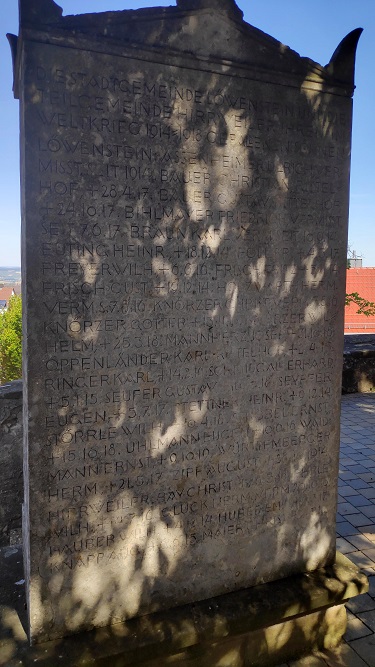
{"x": 361, "y": 603}
{"x": 183, "y": 361}
{"x": 344, "y": 529}
{"x": 365, "y": 648}
{"x": 358, "y": 519}
{"x": 359, "y": 501}
{"x": 361, "y": 430}
{"x": 345, "y": 546}
{"x": 368, "y": 477}
{"x": 347, "y": 508}
{"x": 368, "y": 531}
{"x": 357, "y": 468}
{"x": 356, "y": 628}
{"x": 371, "y": 581}
{"x": 369, "y": 493}
{"x": 347, "y": 475}
{"x": 345, "y": 656}
{"x": 368, "y": 617}
{"x": 359, "y": 484}
{"x": 361, "y": 560}
{"x": 361, "y": 542}
{"x": 347, "y": 491}
{"x": 368, "y": 510}
{"x": 370, "y": 553}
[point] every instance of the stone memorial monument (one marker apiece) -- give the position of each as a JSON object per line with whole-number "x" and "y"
{"x": 185, "y": 184}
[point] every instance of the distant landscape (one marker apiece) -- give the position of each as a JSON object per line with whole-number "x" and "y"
{"x": 10, "y": 275}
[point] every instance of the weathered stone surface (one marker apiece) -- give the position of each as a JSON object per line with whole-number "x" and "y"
{"x": 11, "y": 485}
{"x": 262, "y": 626}
{"x": 358, "y": 377}
{"x": 185, "y": 196}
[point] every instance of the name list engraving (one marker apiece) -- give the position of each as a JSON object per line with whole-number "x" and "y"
{"x": 189, "y": 241}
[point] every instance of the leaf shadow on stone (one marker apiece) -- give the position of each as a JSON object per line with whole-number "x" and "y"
{"x": 154, "y": 536}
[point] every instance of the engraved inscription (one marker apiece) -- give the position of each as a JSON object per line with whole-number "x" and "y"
{"x": 189, "y": 232}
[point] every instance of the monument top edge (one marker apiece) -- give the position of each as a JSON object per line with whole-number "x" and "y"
{"x": 229, "y": 6}
{"x": 133, "y": 26}
{"x": 48, "y": 11}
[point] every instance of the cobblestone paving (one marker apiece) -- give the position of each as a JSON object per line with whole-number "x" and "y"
{"x": 355, "y": 531}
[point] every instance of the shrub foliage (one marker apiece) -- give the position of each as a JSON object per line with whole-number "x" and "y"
{"x": 364, "y": 307}
{"x": 11, "y": 341}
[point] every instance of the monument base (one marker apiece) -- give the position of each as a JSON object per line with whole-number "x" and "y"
{"x": 262, "y": 626}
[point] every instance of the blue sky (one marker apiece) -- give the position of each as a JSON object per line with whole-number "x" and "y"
{"x": 313, "y": 28}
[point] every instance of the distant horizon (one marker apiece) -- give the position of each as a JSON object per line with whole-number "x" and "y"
{"x": 10, "y": 275}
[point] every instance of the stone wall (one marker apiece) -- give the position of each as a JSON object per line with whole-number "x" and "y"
{"x": 359, "y": 364}
{"x": 11, "y": 487}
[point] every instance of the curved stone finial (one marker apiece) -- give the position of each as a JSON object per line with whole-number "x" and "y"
{"x": 13, "y": 43}
{"x": 228, "y": 6}
{"x": 342, "y": 64}
{"x": 39, "y": 11}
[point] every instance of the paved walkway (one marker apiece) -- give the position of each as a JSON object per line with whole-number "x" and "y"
{"x": 355, "y": 531}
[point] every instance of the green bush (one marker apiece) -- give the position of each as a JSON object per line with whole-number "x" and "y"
{"x": 11, "y": 341}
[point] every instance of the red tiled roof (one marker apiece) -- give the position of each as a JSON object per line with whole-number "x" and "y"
{"x": 6, "y": 293}
{"x": 362, "y": 281}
